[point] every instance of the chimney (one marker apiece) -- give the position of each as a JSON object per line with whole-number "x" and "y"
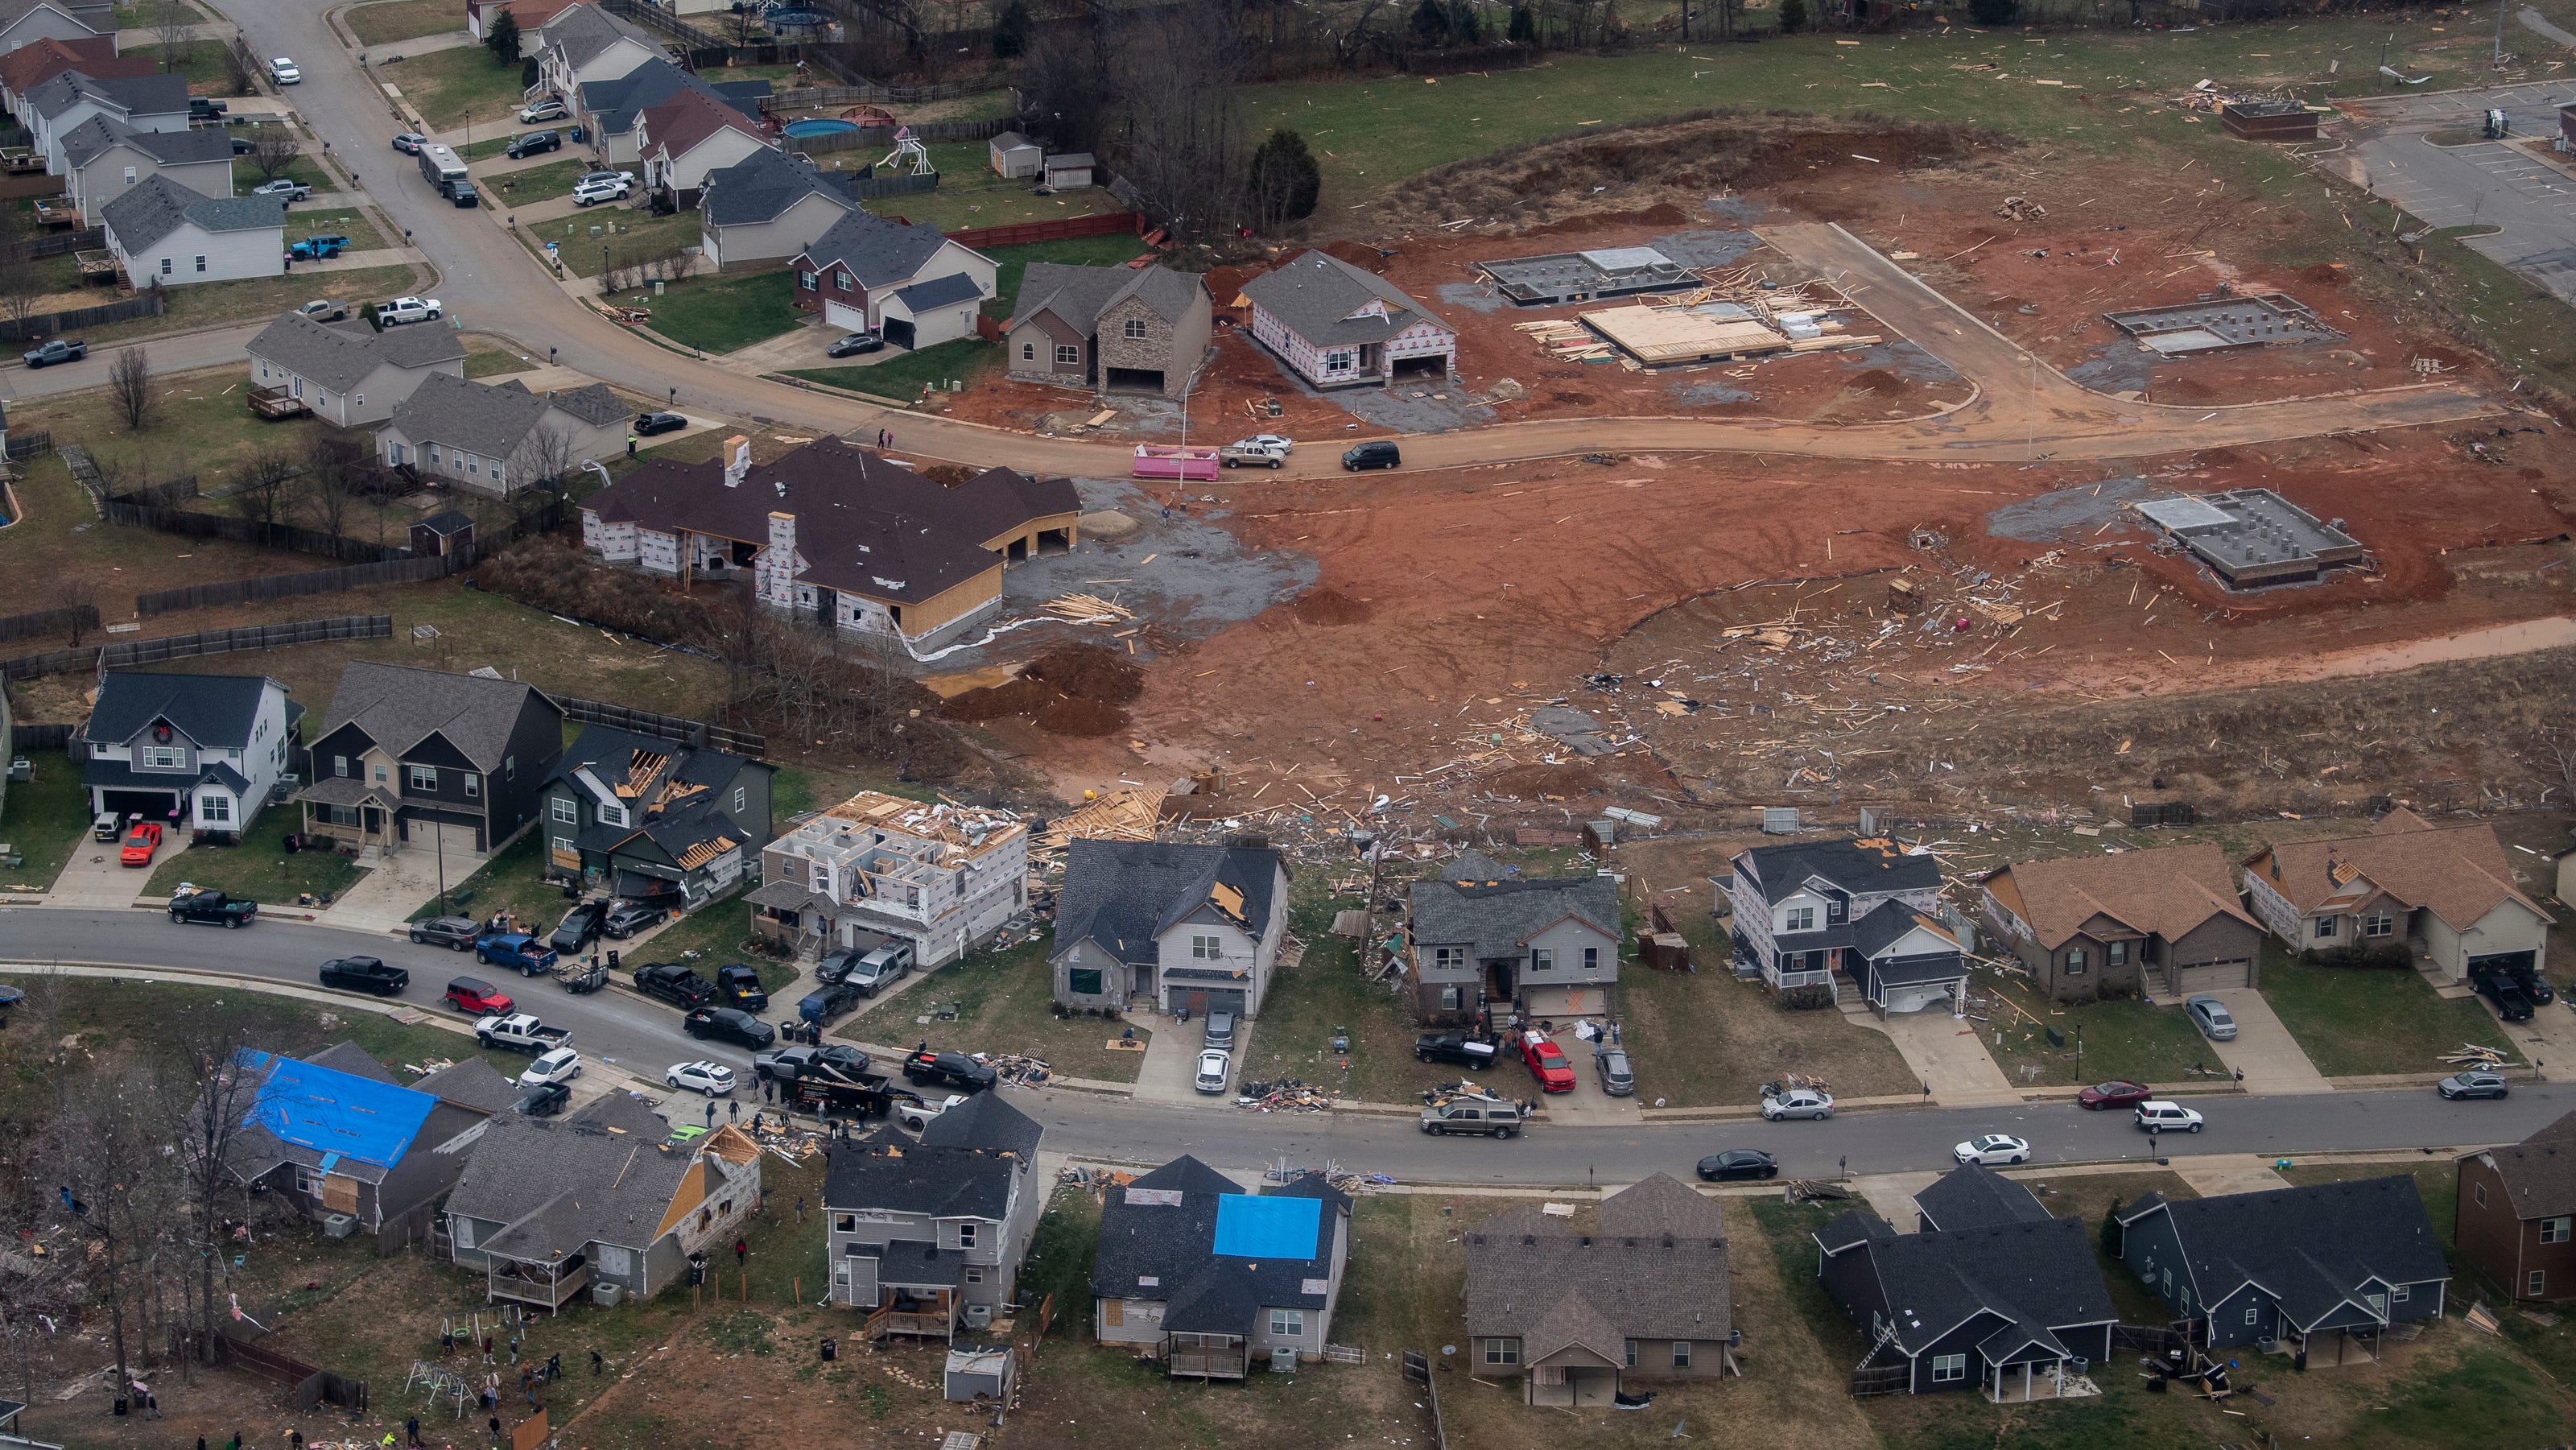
{"x": 737, "y": 455}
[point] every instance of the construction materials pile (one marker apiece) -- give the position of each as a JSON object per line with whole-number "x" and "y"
{"x": 1088, "y": 609}
{"x": 2471, "y": 1057}
{"x": 1287, "y": 1095}
{"x": 1011, "y": 1067}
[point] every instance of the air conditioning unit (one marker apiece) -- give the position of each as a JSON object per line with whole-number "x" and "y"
{"x": 606, "y": 1293}
{"x": 1283, "y": 1359}
{"x": 979, "y": 1316}
{"x": 339, "y": 1226}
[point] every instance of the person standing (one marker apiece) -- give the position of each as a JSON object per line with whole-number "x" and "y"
{"x": 411, "y": 1427}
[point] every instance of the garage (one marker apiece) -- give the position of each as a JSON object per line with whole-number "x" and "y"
{"x": 1917, "y": 997}
{"x": 842, "y": 315}
{"x": 2515, "y": 963}
{"x": 1200, "y": 1001}
{"x": 151, "y": 805}
{"x": 898, "y": 332}
{"x": 2194, "y": 978}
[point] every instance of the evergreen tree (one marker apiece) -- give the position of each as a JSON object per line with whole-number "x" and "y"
{"x": 1994, "y": 12}
{"x": 1286, "y": 178}
{"x": 1524, "y": 26}
{"x": 1430, "y": 22}
{"x": 1011, "y": 31}
{"x": 501, "y": 37}
{"x": 1793, "y": 16}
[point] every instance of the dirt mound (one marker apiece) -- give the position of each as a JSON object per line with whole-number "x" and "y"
{"x": 1329, "y": 607}
{"x": 2219, "y": 458}
{"x": 1580, "y": 400}
{"x": 1879, "y": 381}
{"x": 2184, "y": 388}
{"x": 1023, "y": 696}
{"x": 1357, "y": 254}
{"x": 2324, "y": 272}
{"x": 1087, "y": 719}
{"x": 1528, "y": 781}
{"x": 948, "y": 475}
{"x": 1224, "y": 284}
{"x": 1089, "y": 672}
{"x": 1661, "y": 214}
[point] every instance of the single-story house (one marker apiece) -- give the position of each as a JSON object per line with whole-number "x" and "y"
{"x": 2316, "y": 1266}
{"x": 104, "y": 158}
{"x": 2446, "y": 891}
{"x": 1015, "y": 157}
{"x": 653, "y": 820}
{"x": 348, "y": 373}
{"x": 2516, "y": 1215}
{"x": 1193, "y": 927}
{"x": 499, "y": 438}
{"x": 195, "y": 752}
{"x": 2164, "y": 922}
{"x": 166, "y": 235}
{"x": 1337, "y": 326}
{"x": 765, "y": 208}
{"x": 405, "y": 748}
{"x": 1108, "y": 328}
{"x": 1211, "y": 1279}
{"x": 868, "y": 274}
{"x": 335, "y": 1134}
{"x": 1482, "y": 934}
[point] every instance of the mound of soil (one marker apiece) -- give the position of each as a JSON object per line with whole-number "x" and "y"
{"x": 1089, "y": 672}
{"x": 1528, "y": 781}
{"x": 1086, "y": 719}
{"x": 1879, "y": 381}
{"x": 2184, "y": 388}
{"x": 948, "y": 475}
{"x": 1357, "y": 254}
{"x": 1023, "y": 696}
{"x": 2324, "y": 272}
{"x": 1580, "y": 400}
{"x": 1330, "y": 607}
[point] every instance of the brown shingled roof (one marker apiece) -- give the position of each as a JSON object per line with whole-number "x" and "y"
{"x": 33, "y": 64}
{"x": 689, "y": 117}
{"x": 2169, "y": 891}
{"x": 2456, "y": 872}
{"x": 2539, "y": 1172}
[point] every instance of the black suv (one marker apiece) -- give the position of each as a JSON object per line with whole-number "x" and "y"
{"x": 535, "y": 142}
{"x": 580, "y": 928}
{"x": 365, "y": 974}
{"x": 648, "y": 424}
{"x": 947, "y": 1069}
{"x": 1378, "y": 454}
{"x": 731, "y": 1026}
{"x": 740, "y": 987}
{"x": 1455, "y": 1047}
{"x": 545, "y": 1099}
{"x": 675, "y": 984}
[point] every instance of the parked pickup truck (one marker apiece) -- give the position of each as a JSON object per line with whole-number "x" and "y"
{"x": 212, "y": 908}
{"x": 1473, "y": 1113}
{"x": 1251, "y": 455}
{"x": 515, "y": 949}
{"x": 521, "y": 1032}
{"x": 673, "y": 982}
{"x": 917, "y": 1115}
{"x": 56, "y": 351}
{"x": 869, "y": 1096}
{"x": 318, "y": 248}
{"x": 323, "y": 309}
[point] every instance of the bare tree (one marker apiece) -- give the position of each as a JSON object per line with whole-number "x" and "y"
{"x": 261, "y": 489}
{"x": 273, "y": 150}
{"x": 2557, "y": 750}
{"x": 129, "y": 387}
{"x": 1179, "y": 141}
{"x": 224, "y": 1092}
{"x": 170, "y": 23}
{"x": 112, "y": 1173}
{"x": 77, "y": 597}
{"x": 22, "y": 284}
{"x": 546, "y": 456}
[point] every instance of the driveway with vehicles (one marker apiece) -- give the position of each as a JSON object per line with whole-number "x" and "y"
{"x": 2263, "y": 1049}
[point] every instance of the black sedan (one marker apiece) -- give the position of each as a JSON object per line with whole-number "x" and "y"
{"x": 727, "y": 1024}
{"x": 629, "y": 917}
{"x": 648, "y": 424}
{"x": 1738, "y": 1163}
{"x": 854, "y": 344}
{"x": 365, "y": 974}
{"x": 579, "y": 929}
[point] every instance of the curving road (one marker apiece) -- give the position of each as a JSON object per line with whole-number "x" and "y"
{"x": 644, "y": 1037}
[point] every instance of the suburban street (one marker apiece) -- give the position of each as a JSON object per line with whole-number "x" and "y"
{"x": 644, "y": 1037}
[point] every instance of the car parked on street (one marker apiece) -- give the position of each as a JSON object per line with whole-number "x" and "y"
{"x": 674, "y": 983}
{"x": 1375, "y": 454}
{"x": 1216, "y": 1068}
{"x": 788, "y": 1064}
{"x": 591, "y": 193}
{"x": 535, "y": 143}
{"x": 579, "y": 928}
{"x": 625, "y": 918}
{"x": 1796, "y": 1103}
{"x": 2120, "y": 1094}
{"x": 1738, "y": 1163}
{"x": 649, "y": 424}
{"x": 57, "y": 350}
{"x": 2167, "y": 1117}
{"x": 1455, "y": 1047}
{"x": 1472, "y": 1113}
{"x": 727, "y": 1024}
{"x": 950, "y": 1069}
{"x": 560, "y": 1065}
{"x": 550, "y": 109}
{"x": 142, "y": 843}
{"x": 1993, "y": 1150}
{"x": 2211, "y": 1016}
{"x": 291, "y": 190}
{"x": 365, "y": 974}
{"x": 282, "y": 70}
{"x": 410, "y": 142}
{"x": 2472, "y": 1085}
{"x": 853, "y": 344}
{"x": 1610, "y": 1064}
{"x": 712, "y": 1078}
{"x": 206, "y": 906}
{"x": 478, "y": 998}
{"x": 458, "y": 932}
{"x": 739, "y": 986}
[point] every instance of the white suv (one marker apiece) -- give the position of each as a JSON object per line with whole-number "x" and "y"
{"x": 712, "y": 1078}
{"x": 596, "y": 191}
{"x": 283, "y": 71}
{"x": 2168, "y": 1117}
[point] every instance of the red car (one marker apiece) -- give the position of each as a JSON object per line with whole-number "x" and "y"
{"x": 478, "y": 998}
{"x": 2114, "y": 1095}
{"x": 1547, "y": 1063}
{"x": 141, "y": 843}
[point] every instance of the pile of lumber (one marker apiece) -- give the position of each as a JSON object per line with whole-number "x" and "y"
{"x": 1565, "y": 339}
{"x": 1817, "y": 1190}
{"x": 1285, "y": 1097}
{"x": 1088, "y": 609}
{"x": 2472, "y": 1055}
{"x": 1126, "y": 815}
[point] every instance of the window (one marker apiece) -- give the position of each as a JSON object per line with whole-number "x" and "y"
{"x": 2378, "y": 1304}
{"x": 164, "y": 757}
{"x": 362, "y": 400}
{"x": 2379, "y": 924}
{"x": 214, "y": 808}
{"x": 1028, "y": 352}
{"x": 1448, "y": 999}
{"x": 1207, "y": 948}
{"x": 1287, "y": 1323}
{"x": 2253, "y": 1313}
{"x": 340, "y": 815}
{"x": 1949, "y": 1368}
{"x": 2533, "y": 1286}
{"x": 974, "y": 1276}
{"x": 2400, "y": 1294}
{"x": 306, "y": 1182}
{"x": 473, "y": 463}
{"x": 509, "y": 763}
{"x": 2116, "y": 954}
{"x": 2325, "y": 928}
{"x": 424, "y": 777}
{"x": 2555, "y": 1230}
{"x": 1508, "y": 1351}
{"x": 965, "y": 1235}
{"x": 1135, "y": 327}
{"x": 805, "y": 280}
{"x": 165, "y": 266}
{"x": 432, "y": 450}
{"x": 496, "y": 474}
{"x": 1592, "y": 959}
{"x": 201, "y": 262}
{"x": 473, "y": 785}
{"x": 567, "y": 810}
{"x": 612, "y": 815}
{"x": 739, "y": 797}
{"x": 1800, "y": 918}
{"x": 1068, "y": 354}
{"x": 1542, "y": 959}
{"x": 380, "y": 775}
{"x": 1449, "y": 958}
{"x": 1631, "y": 1354}
{"x": 129, "y": 176}
{"x": 2074, "y": 961}
{"x": 2481, "y": 1191}
{"x": 563, "y": 846}
{"x": 1681, "y": 1354}
{"x": 846, "y": 1223}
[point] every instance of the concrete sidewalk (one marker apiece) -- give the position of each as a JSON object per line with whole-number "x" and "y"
{"x": 2263, "y": 1048}
{"x": 1943, "y": 1051}
{"x": 402, "y": 882}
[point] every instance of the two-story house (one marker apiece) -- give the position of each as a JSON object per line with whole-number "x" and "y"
{"x": 500, "y": 438}
{"x": 869, "y": 274}
{"x": 1336, "y": 326}
{"x": 2445, "y": 891}
{"x": 609, "y": 112}
{"x": 1211, "y": 1279}
{"x": 335, "y": 1134}
{"x": 2516, "y": 1215}
{"x": 25, "y": 22}
{"x": 2164, "y": 922}
{"x": 348, "y": 373}
{"x": 1481, "y": 934}
{"x": 1183, "y": 927}
{"x": 583, "y": 43}
{"x": 404, "y": 752}
{"x": 1108, "y": 328}
{"x": 927, "y": 1238}
{"x": 598, "y": 1201}
{"x": 30, "y": 64}
{"x": 653, "y": 820}
{"x": 2313, "y": 1267}
{"x": 1865, "y": 908}
{"x": 195, "y": 752}
{"x": 943, "y": 878}
{"x": 56, "y": 107}
{"x": 103, "y": 157}
{"x": 766, "y": 208}
{"x": 681, "y": 139}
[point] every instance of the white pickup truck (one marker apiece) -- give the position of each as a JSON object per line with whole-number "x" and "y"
{"x": 408, "y": 309}
{"x": 521, "y": 1032}
{"x": 917, "y": 1116}
{"x": 562, "y": 1064}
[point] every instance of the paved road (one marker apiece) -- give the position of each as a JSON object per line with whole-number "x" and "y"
{"x": 644, "y": 1036}
{"x": 2487, "y": 183}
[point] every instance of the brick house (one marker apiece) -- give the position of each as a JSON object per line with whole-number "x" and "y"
{"x": 2445, "y": 891}
{"x": 911, "y": 283}
{"x": 1109, "y": 328}
{"x": 2164, "y": 922}
{"x": 2516, "y": 1217}
{"x": 1337, "y": 326}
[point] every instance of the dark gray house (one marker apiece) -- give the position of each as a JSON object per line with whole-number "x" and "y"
{"x": 1818, "y": 913}
{"x": 334, "y": 1134}
{"x": 2328, "y": 1263}
{"x": 926, "y": 1238}
{"x": 1212, "y": 1279}
{"x": 1993, "y": 1293}
{"x": 1482, "y": 935}
{"x": 404, "y": 751}
{"x": 654, "y": 820}
{"x": 1194, "y": 927}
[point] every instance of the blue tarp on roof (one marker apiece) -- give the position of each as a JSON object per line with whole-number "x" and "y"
{"x": 1266, "y": 1228}
{"x": 334, "y": 1112}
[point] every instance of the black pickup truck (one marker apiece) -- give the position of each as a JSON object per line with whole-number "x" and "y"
{"x": 868, "y": 1096}
{"x": 212, "y": 908}
{"x": 947, "y": 1069}
{"x": 676, "y": 984}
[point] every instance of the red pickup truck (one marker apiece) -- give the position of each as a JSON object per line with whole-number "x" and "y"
{"x": 1546, "y": 1063}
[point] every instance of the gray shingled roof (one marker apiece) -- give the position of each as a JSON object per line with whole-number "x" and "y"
{"x": 1653, "y": 1265}
{"x": 2539, "y": 1172}
{"x": 1498, "y": 915}
{"x": 157, "y": 206}
{"x": 2311, "y": 1247}
{"x": 216, "y": 710}
{"x": 585, "y": 30}
{"x": 354, "y": 1060}
{"x": 1975, "y": 1196}
{"x": 945, "y": 291}
{"x": 87, "y": 141}
{"x": 987, "y": 1122}
{"x": 1155, "y": 1249}
{"x": 874, "y": 250}
{"x": 890, "y": 1172}
{"x": 472, "y": 1083}
{"x": 1125, "y": 894}
{"x": 1316, "y": 295}
{"x": 562, "y": 1183}
{"x": 340, "y": 357}
{"x": 152, "y": 95}
{"x": 398, "y": 706}
{"x": 2025, "y": 1278}
{"x": 1080, "y": 294}
{"x": 1847, "y": 865}
{"x": 488, "y": 418}
{"x": 762, "y": 186}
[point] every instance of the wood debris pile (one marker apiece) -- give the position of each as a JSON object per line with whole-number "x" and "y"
{"x": 1088, "y": 609}
{"x": 2020, "y": 209}
{"x": 1286, "y": 1096}
{"x": 2471, "y": 1056}
{"x": 1014, "y": 1068}
{"x": 1565, "y": 338}
{"x": 1124, "y": 815}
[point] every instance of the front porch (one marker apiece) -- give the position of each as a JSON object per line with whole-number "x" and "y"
{"x": 549, "y": 1285}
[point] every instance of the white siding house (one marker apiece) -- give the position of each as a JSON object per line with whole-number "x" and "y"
{"x": 195, "y": 752}
{"x": 166, "y": 235}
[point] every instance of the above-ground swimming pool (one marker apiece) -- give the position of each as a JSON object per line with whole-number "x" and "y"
{"x": 820, "y": 127}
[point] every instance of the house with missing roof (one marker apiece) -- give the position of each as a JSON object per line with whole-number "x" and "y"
{"x": 1864, "y": 908}
{"x": 1337, "y": 326}
{"x": 910, "y": 283}
{"x": 104, "y": 158}
{"x": 653, "y": 820}
{"x": 601, "y": 1201}
{"x": 681, "y": 139}
{"x": 348, "y": 373}
{"x": 165, "y": 235}
{"x": 2515, "y": 1218}
{"x": 500, "y": 438}
{"x": 1483, "y": 938}
{"x": 767, "y": 208}
{"x": 1633, "y": 1288}
{"x": 833, "y": 532}
{"x": 335, "y": 1135}
{"x": 408, "y": 755}
{"x": 57, "y": 106}
{"x": 196, "y": 752}
{"x": 1185, "y": 927}
{"x": 943, "y": 878}
{"x": 1992, "y": 1292}
{"x": 2164, "y": 922}
{"x": 1108, "y": 329}
{"x": 2446, "y": 892}
{"x": 1211, "y": 1279}
{"x": 2326, "y": 1267}
{"x": 926, "y": 1238}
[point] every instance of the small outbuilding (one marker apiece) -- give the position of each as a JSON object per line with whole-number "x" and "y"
{"x": 1070, "y": 171}
{"x": 979, "y": 1372}
{"x": 1016, "y": 157}
{"x": 442, "y": 534}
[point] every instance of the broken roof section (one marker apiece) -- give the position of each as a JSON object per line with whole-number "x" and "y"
{"x": 964, "y": 831}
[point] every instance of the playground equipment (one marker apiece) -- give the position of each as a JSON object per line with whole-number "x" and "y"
{"x": 907, "y": 144}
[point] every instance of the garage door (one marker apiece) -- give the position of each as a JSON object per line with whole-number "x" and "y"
{"x": 2213, "y": 976}
{"x": 1203, "y": 1000}
{"x": 1917, "y": 998}
{"x": 843, "y": 315}
{"x": 2505, "y": 962}
{"x": 151, "y": 805}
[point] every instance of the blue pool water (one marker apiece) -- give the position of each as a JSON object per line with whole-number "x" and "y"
{"x": 820, "y": 127}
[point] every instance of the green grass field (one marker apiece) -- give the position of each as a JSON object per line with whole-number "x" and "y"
{"x": 259, "y": 867}
{"x": 42, "y": 820}
{"x": 1010, "y": 264}
{"x": 971, "y": 195}
{"x": 358, "y": 226}
{"x": 1006, "y": 1003}
{"x": 393, "y": 20}
{"x": 221, "y": 304}
{"x": 902, "y": 375}
{"x": 635, "y": 234}
{"x": 489, "y": 357}
{"x": 538, "y": 183}
{"x": 2131, "y": 1040}
{"x": 453, "y": 87}
{"x": 149, "y": 13}
{"x": 2356, "y": 1021}
{"x": 717, "y": 314}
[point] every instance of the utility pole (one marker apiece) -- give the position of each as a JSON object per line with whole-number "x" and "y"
{"x": 2499, "y": 41}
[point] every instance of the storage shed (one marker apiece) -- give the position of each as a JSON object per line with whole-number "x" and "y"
{"x": 2269, "y": 120}
{"x": 1070, "y": 171}
{"x": 441, "y": 534}
{"x": 1016, "y": 156}
{"x": 979, "y": 1372}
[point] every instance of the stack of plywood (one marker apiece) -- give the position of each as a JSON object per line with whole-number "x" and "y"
{"x": 1656, "y": 335}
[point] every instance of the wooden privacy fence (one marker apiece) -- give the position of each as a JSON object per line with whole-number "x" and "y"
{"x": 308, "y": 1385}
{"x": 666, "y": 727}
{"x": 51, "y": 662}
{"x": 1106, "y": 224}
{"x": 2150, "y": 1338}
{"x": 49, "y": 621}
{"x": 289, "y": 586}
{"x": 23, "y": 738}
{"x": 1417, "y": 1368}
{"x": 869, "y": 186}
{"x": 55, "y": 244}
{"x": 192, "y": 525}
{"x": 47, "y": 324}
{"x": 126, "y": 654}
{"x": 30, "y": 445}
{"x": 1885, "y": 1379}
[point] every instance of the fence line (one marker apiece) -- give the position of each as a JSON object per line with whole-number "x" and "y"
{"x": 666, "y": 727}
{"x": 124, "y": 654}
{"x": 50, "y": 324}
{"x": 289, "y": 586}
{"x": 51, "y": 662}
{"x": 840, "y": 59}
{"x": 55, "y": 244}
{"x": 1106, "y": 224}
{"x": 868, "y": 186}
{"x": 30, "y": 445}
{"x": 49, "y": 621}
{"x": 23, "y": 738}
{"x": 245, "y": 531}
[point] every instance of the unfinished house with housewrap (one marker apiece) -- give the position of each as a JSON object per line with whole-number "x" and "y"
{"x": 943, "y": 878}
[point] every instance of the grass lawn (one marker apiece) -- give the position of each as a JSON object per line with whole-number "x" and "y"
{"x": 970, "y": 195}
{"x": 259, "y": 868}
{"x": 1006, "y": 1003}
{"x": 1704, "y": 1039}
{"x": 717, "y": 314}
{"x": 201, "y": 61}
{"x": 44, "y": 819}
{"x": 710, "y": 937}
{"x": 395, "y": 20}
{"x": 489, "y": 357}
{"x": 635, "y": 234}
{"x": 449, "y": 87}
{"x": 358, "y": 226}
{"x": 149, "y": 13}
{"x": 903, "y": 374}
{"x": 508, "y": 881}
{"x": 200, "y": 425}
{"x": 1010, "y": 264}
{"x": 2131, "y": 1040}
{"x": 2355, "y": 1021}
{"x": 1324, "y": 996}
{"x": 218, "y": 304}
{"x": 306, "y": 169}
{"x": 538, "y": 183}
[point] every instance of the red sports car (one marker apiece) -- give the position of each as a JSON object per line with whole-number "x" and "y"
{"x": 1547, "y": 1063}
{"x": 141, "y": 844}
{"x": 2114, "y": 1095}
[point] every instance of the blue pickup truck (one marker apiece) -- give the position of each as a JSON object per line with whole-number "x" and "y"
{"x": 517, "y": 950}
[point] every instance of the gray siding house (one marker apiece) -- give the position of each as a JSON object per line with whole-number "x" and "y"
{"x": 2316, "y": 1266}
{"x": 1192, "y": 927}
{"x": 766, "y": 209}
{"x": 926, "y": 1238}
{"x": 166, "y": 235}
{"x": 348, "y": 373}
{"x": 103, "y": 156}
{"x": 1210, "y": 1278}
{"x": 405, "y": 748}
{"x": 500, "y": 438}
{"x": 652, "y": 820}
{"x": 1865, "y": 909}
{"x": 1109, "y": 329}
{"x": 1482, "y": 935}
{"x": 194, "y": 752}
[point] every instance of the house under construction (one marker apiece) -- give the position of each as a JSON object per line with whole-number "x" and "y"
{"x": 2252, "y": 537}
{"x": 2220, "y": 322}
{"x": 1561, "y": 277}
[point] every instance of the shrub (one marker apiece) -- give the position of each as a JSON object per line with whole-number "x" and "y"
{"x": 1806, "y": 999}
{"x": 2387, "y": 956}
